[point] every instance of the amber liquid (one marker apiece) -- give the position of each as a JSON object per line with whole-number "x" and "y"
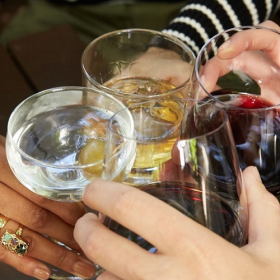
{"x": 157, "y": 125}
{"x": 141, "y": 86}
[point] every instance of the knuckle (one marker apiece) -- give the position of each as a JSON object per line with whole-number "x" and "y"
{"x": 124, "y": 203}
{"x": 94, "y": 244}
{"x": 63, "y": 258}
{"x": 31, "y": 241}
{"x": 39, "y": 218}
{"x": 274, "y": 201}
{"x": 271, "y": 201}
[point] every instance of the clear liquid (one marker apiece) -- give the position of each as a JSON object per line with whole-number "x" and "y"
{"x": 62, "y": 155}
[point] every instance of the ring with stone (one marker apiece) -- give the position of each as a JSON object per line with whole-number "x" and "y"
{"x": 14, "y": 243}
{"x": 3, "y": 221}
{"x": 19, "y": 230}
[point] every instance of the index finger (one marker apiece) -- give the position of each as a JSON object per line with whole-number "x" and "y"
{"x": 255, "y": 64}
{"x": 144, "y": 215}
{"x": 266, "y": 39}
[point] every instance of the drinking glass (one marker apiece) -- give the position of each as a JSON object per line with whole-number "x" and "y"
{"x": 136, "y": 65}
{"x": 197, "y": 172}
{"x": 155, "y": 130}
{"x": 56, "y": 139}
{"x": 246, "y": 86}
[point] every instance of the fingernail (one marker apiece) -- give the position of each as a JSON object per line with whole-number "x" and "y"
{"x": 41, "y": 273}
{"x": 83, "y": 269}
{"x": 256, "y": 174}
{"x": 225, "y": 45}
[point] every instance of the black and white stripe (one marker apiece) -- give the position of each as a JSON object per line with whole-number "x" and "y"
{"x": 200, "y": 20}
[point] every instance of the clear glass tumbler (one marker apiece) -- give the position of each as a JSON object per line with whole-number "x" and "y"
{"x": 56, "y": 141}
{"x": 197, "y": 172}
{"x": 136, "y": 65}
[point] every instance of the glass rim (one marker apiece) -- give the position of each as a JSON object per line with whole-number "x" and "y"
{"x": 49, "y": 91}
{"x": 178, "y": 42}
{"x": 201, "y": 51}
{"x": 196, "y": 101}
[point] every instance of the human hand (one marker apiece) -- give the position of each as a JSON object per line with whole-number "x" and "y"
{"x": 252, "y": 40}
{"x": 249, "y": 52}
{"x": 162, "y": 64}
{"x": 157, "y": 72}
{"x": 39, "y": 216}
{"x": 186, "y": 250}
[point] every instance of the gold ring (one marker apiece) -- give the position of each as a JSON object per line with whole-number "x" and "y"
{"x": 19, "y": 230}
{"x": 3, "y": 221}
{"x": 14, "y": 243}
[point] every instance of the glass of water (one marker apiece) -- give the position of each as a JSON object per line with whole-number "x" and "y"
{"x": 56, "y": 140}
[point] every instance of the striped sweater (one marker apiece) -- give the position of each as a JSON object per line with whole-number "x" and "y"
{"x": 199, "y": 20}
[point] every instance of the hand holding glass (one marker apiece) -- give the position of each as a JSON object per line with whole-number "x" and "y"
{"x": 243, "y": 78}
{"x": 195, "y": 169}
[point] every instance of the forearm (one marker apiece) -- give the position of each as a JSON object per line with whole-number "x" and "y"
{"x": 199, "y": 20}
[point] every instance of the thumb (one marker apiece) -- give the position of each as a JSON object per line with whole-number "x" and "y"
{"x": 263, "y": 208}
